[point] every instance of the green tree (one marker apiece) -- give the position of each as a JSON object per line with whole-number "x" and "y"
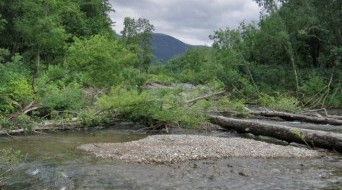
{"x": 2, "y": 23}
{"x": 9, "y": 37}
{"x": 195, "y": 66}
{"x": 234, "y": 48}
{"x": 99, "y": 59}
{"x": 39, "y": 29}
{"x": 97, "y": 16}
{"x": 73, "y": 19}
{"x": 42, "y": 31}
{"x": 138, "y": 34}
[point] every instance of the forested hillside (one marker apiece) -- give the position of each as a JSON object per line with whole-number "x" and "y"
{"x": 165, "y": 47}
{"x": 61, "y": 60}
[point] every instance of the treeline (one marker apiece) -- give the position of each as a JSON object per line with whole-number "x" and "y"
{"x": 57, "y": 56}
{"x": 61, "y": 60}
{"x": 35, "y": 37}
{"x": 293, "y": 51}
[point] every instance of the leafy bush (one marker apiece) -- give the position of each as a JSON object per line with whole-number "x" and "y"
{"x": 22, "y": 121}
{"x": 5, "y": 123}
{"x": 55, "y": 74}
{"x": 94, "y": 117}
{"x": 100, "y": 60}
{"x": 266, "y": 100}
{"x": 313, "y": 85}
{"x": 158, "y": 106}
{"x": 280, "y": 103}
{"x": 335, "y": 100}
{"x": 132, "y": 77}
{"x": 225, "y": 104}
{"x": 15, "y": 84}
{"x": 70, "y": 97}
{"x": 287, "y": 104}
{"x": 160, "y": 78}
{"x": 21, "y": 90}
{"x": 25, "y": 122}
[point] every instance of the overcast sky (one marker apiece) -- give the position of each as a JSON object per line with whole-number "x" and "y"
{"x": 191, "y": 21}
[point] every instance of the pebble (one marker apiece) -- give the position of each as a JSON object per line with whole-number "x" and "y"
{"x": 179, "y": 148}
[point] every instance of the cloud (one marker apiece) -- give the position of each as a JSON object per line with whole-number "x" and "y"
{"x": 191, "y": 21}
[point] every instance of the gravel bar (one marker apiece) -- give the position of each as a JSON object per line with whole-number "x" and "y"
{"x": 179, "y": 148}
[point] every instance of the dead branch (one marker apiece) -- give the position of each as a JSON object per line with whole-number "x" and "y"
{"x": 328, "y": 90}
{"x": 205, "y": 97}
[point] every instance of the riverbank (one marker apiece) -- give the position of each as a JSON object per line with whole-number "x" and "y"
{"x": 179, "y": 148}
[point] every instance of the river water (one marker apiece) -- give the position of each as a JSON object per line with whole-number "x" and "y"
{"x": 53, "y": 162}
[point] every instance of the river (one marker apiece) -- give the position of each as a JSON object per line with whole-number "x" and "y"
{"x": 53, "y": 162}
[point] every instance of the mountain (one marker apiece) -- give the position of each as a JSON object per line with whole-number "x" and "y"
{"x": 165, "y": 46}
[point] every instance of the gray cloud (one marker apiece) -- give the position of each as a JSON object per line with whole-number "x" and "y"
{"x": 188, "y": 20}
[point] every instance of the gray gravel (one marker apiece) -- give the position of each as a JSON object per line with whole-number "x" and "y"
{"x": 178, "y": 148}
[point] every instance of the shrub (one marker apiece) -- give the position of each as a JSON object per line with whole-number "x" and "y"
{"x": 160, "y": 78}
{"x": 266, "y": 100}
{"x": 5, "y": 123}
{"x": 287, "y": 104}
{"x": 94, "y": 117}
{"x": 132, "y": 77}
{"x": 70, "y": 97}
{"x": 25, "y": 122}
{"x": 335, "y": 99}
{"x": 100, "y": 60}
{"x": 313, "y": 85}
{"x": 280, "y": 103}
{"x": 15, "y": 84}
{"x": 225, "y": 104}
{"x": 158, "y": 106}
{"x": 22, "y": 121}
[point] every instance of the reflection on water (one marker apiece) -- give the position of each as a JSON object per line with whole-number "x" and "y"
{"x": 60, "y": 146}
{"x": 53, "y": 162}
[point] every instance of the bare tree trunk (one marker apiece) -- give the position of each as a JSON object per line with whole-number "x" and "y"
{"x": 298, "y": 117}
{"x": 328, "y": 91}
{"x": 313, "y": 138}
{"x": 289, "y": 50}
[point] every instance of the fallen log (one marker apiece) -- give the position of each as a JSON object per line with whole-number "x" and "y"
{"x": 46, "y": 126}
{"x": 312, "y": 138}
{"x": 298, "y": 117}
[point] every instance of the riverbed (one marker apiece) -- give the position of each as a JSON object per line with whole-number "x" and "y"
{"x": 54, "y": 162}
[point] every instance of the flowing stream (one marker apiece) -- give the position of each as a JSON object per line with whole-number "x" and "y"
{"x": 53, "y": 162}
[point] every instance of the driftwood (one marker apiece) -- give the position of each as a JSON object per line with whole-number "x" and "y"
{"x": 46, "y": 126}
{"x": 205, "y": 97}
{"x": 298, "y": 117}
{"x": 313, "y": 138}
{"x": 29, "y": 108}
{"x": 325, "y": 112}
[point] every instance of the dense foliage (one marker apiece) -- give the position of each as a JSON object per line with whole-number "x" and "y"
{"x": 294, "y": 51}
{"x": 61, "y": 59}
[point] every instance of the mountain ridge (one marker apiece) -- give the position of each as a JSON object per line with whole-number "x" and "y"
{"x": 165, "y": 46}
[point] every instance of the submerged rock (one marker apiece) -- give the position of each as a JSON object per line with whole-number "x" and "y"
{"x": 178, "y": 148}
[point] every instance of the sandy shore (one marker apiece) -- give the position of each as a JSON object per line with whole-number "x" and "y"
{"x": 178, "y": 148}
